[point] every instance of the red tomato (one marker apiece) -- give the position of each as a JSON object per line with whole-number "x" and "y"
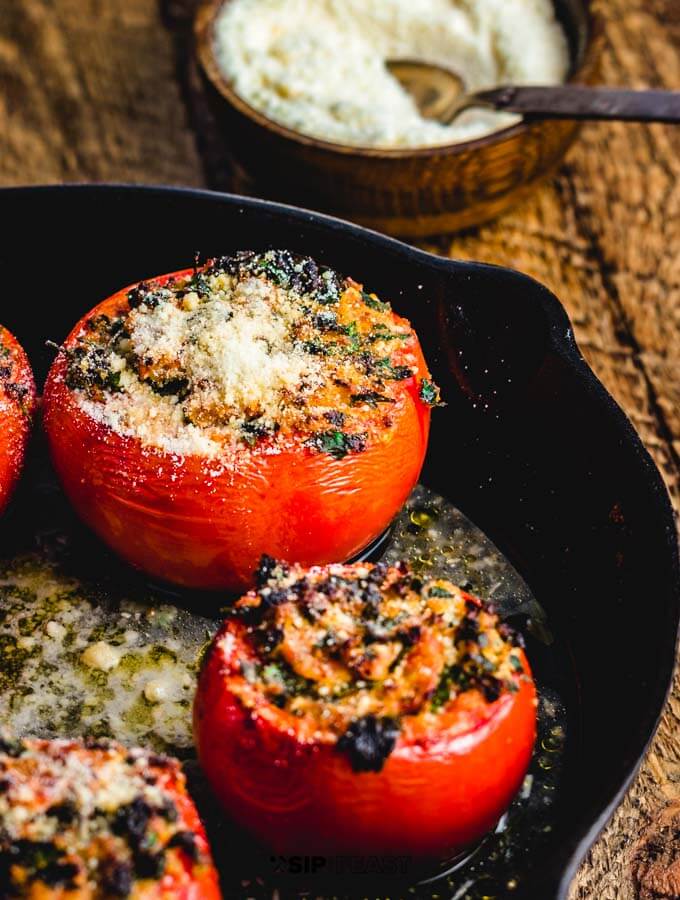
{"x": 194, "y": 522}
{"x": 17, "y": 405}
{"x": 150, "y": 847}
{"x": 439, "y": 790}
{"x": 184, "y": 880}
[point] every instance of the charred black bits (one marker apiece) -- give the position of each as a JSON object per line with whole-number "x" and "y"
{"x": 410, "y": 636}
{"x": 469, "y": 627}
{"x": 491, "y": 687}
{"x": 136, "y": 296}
{"x": 356, "y": 443}
{"x": 132, "y": 820}
{"x": 10, "y": 747}
{"x": 327, "y": 321}
{"x": 234, "y": 264}
{"x": 268, "y": 569}
{"x": 335, "y": 417}
{"x": 273, "y": 596}
{"x": 117, "y": 878}
{"x": 167, "y": 810}
{"x": 186, "y": 842}
{"x": 368, "y": 742}
{"x": 91, "y": 369}
{"x": 269, "y": 639}
{"x": 299, "y": 273}
{"x": 149, "y": 865}
{"x": 65, "y": 813}
{"x": 370, "y": 398}
{"x": 17, "y": 391}
{"x": 158, "y": 761}
{"x": 176, "y": 387}
{"x": 58, "y": 874}
{"x": 399, "y": 373}
{"x": 41, "y": 859}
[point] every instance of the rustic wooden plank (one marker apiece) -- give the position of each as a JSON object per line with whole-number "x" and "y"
{"x": 89, "y": 93}
{"x": 602, "y": 236}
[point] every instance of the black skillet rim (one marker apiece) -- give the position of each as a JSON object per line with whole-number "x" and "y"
{"x": 561, "y": 338}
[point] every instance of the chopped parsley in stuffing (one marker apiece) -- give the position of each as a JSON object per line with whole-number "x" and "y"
{"x": 358, "y": 652}
{"x": 251, "y": 349}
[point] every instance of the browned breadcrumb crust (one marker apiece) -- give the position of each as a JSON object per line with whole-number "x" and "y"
{"x": 354, "y": 651}
{"x": 90, "y": 817}
{"x": 250, "y": 348}
{"x": 14, "y": 386}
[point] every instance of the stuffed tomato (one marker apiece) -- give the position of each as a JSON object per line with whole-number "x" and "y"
{"x": 17, "y": 405}
{"x": 96, "y": 820}
{"x": 361, "y": 710}
{"x": 259, "y": 404}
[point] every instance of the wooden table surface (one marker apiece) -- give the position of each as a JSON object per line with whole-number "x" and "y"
{"x": 105, "y": 90}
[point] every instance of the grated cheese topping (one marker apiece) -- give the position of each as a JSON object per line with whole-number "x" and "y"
{"x": 252, "y": 349}
{"x": 350, "y": 651}
{"x": 16, "y": 386}
{"x": 92, "y": 818}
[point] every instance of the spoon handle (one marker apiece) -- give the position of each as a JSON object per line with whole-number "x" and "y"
{"x": 579, "y": 102}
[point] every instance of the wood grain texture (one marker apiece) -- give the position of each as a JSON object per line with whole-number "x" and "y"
{"x": 88, "y": 91}
{"x": 106, "y": 89}
{"x": 604, "y": 236}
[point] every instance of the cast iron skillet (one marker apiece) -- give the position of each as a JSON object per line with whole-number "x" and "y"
{"x": 530, "y": 446}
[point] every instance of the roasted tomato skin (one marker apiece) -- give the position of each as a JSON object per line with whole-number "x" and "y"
{"x": 189, "y": 872}
{"x": 436, "y": 794}
{"x": 184, "y": 881}
{"x": 17, "y": 406}
{"x": 204, "y": 523}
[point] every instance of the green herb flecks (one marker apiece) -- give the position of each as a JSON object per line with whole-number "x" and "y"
{"x": 352, "y": 333}
{"x": 383, "y": 333}
{"x": 393, "y": 373}
{"x": 373, "y": 302}
{"x": 452, "y": 676}
{"x": 338, "y": 444}
{"x": 429, "y": 393}
{"x": 439, "y": 592}
{"x": 280, "y": 675}
{"x": 370, "y": 398}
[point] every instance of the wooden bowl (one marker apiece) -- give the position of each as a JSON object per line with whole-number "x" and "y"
{"x": 405, "y": 192}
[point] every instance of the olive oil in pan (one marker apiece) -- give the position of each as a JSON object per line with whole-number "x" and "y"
{"x": 439, "y": 541}
{"x": 77, "y": 658}
{"x": 88, "y": 647}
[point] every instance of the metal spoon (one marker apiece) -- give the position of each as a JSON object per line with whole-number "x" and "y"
{"x": 440, "y": 94}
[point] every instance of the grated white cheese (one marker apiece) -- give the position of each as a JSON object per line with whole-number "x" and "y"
{"x": 252, "y": 351}
{"x": 101, "y": 655}
{"x": 318, "y": 66}
{"x": 234, "y": 348}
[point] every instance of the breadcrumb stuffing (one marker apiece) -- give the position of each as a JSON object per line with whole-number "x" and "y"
{"x": 342, "y": 648}
{"x": 252, "y": 349}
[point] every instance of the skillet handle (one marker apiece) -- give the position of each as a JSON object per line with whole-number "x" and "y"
{"x": 572, "y": 101}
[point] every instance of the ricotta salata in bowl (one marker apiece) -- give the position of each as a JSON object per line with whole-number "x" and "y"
{"x": 318, "y": 66}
